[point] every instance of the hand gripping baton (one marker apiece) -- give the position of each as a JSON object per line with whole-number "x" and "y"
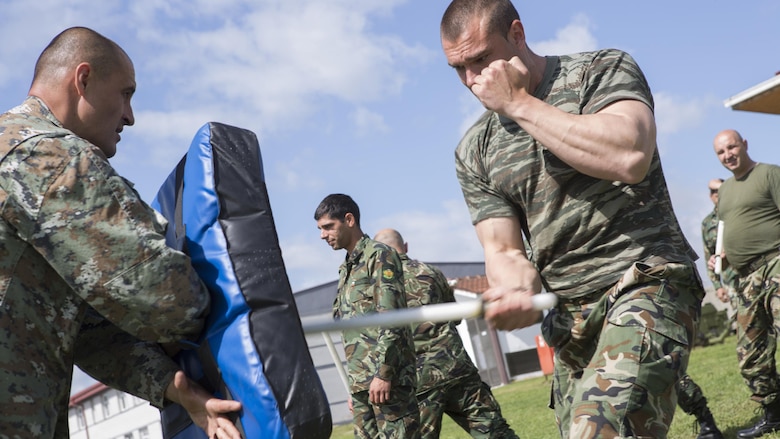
{"x": 719, "y": 249}
{"x": 442, "y": 312}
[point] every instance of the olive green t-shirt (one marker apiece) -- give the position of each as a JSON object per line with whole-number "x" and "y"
{"x": 750, "y": 210}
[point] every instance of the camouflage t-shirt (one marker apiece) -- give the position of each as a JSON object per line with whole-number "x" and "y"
{"x": 709, "y": 233}
{"x": 371, "y": 280}
{"x": 441, "y": 356}
{"x": 750, "y": 210}
{"x": 584, "y": 232}
{"x": 85, "y": 277}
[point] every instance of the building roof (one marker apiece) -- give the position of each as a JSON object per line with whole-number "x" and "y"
{"x": 761, "y": 98}
{"x": 473, "y": 284}
{"x": 87, "y": 393}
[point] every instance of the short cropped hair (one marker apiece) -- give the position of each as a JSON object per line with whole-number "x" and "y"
{"x": 337, "y": 206}
{"x": 74, "y": 46}
{"x": 500, "y": 14}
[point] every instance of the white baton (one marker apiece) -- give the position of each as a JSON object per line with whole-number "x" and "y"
{"x": 441, "y": 312}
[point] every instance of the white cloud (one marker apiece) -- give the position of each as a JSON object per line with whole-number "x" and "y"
{"x": 368, "y": 122}
{"x": 169, "y": 128}
{"x": 673, "y": 113}
{"x": 276, "y": 56}
{"x": 309, "y": 261}
{"x": 296, "y": 174}
{"x": 575, "y": 37}
{"x": 47, "y": 18}
{"x": 444, "y": 234}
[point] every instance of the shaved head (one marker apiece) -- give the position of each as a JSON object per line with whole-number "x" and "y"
{"x": 499, "y": 15}
{"x": 72, "y": 47}
{"x": 730, "y": 133}
{"x": 392, "y": 238}
{"x": 87, "y": 82}
{"x": 732, "y": 152}
{"x": 714, "y": 184}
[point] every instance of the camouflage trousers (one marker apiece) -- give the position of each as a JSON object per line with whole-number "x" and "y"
{"x": 620, "y": 352}
{"x": 399, "y": 418}
{"x": 690, "y": 398}
{"x": 758, "y": 323}
{"x": 470, "y": 403}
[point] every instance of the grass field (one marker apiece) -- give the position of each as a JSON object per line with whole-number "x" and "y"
{"x": 714, "y": 368}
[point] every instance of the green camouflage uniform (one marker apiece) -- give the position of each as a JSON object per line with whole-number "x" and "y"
{"x": 447, "y": 380}
{"x": 371, "y": 280}
{"x": 613, "y": 252}
{"x": 85, "y": 277}
{"x": 690, "y": 398}
{"x": 728, "y": 276}
{"x": 750, "y": 209}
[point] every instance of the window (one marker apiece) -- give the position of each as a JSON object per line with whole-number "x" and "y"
{"x": 104, "y": 403}
{"x": 143, "y": 432}
{"x": 122, "y": 402}
{"x": 80, "y": 417}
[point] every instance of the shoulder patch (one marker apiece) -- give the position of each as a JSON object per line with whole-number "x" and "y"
{"x": 388, "y": 274}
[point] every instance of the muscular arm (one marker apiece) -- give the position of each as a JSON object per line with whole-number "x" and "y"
{"x": 616, "y": 143}
{"x": 513, "y": 279}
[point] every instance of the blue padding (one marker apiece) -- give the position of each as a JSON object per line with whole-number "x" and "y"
{"x": 205, "y": 238}
{"x": 228, "y": 328}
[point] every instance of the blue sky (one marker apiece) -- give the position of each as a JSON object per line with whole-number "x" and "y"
{"x": 355, "y": 96}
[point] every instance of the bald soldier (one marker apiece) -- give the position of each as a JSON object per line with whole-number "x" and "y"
{"x": 85, "y": 275}
{"x": 447, "y": 380}
{"x": 749, "y": 206}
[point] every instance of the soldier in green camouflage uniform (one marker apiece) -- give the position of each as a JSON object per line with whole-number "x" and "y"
{"x": 725, "y": 283}
{"x": 85, "y": 275}
{"x": 691, "y": 400}
{"x": 380, "y": 361}
{"x": 566, "y": 154}
{"x": 447, "y": 380}
{"x": 749, "y": 206}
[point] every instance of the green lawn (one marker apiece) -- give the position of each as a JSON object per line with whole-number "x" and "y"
{"x": 714, "y": 368}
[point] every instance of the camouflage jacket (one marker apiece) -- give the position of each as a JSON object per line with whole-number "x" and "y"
{"x": 709, "y": 233}
{"x": 585, "y": 232}
{"x": 371, "y": 280}
{"x": 441, "y": 356}
{"x": 85, "y": 277}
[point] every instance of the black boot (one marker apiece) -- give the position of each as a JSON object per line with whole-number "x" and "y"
{"x": 768, "y": 423}
{"x": 707, "y": 428}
